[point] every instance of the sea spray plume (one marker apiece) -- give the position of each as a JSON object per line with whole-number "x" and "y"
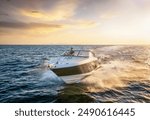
{"x": 49, "y": 75}
{"x": 46, "y": 76}
{"x": 116, "y": 74}
{"x": 103, "y": 78}
{"x": 118, "y": 66}
{"x": 147, "y": 61}
{"x": 52, "y": 77}
{"x": 42, "y": 67}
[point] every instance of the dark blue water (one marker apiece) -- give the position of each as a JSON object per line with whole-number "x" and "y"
{"x": 124, "y": 75}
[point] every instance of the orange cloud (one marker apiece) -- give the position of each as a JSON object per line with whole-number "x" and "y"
{"x": 62, "y": 10}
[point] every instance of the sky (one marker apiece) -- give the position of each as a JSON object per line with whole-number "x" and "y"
{"x": 75, "y": 22}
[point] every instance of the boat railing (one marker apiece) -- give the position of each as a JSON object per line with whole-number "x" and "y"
{"x": 77, "y": 53}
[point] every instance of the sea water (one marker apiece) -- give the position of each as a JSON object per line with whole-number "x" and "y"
{"x": 123, "y": 76}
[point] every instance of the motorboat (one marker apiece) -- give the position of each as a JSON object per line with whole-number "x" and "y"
{"x": 74, "y": 67}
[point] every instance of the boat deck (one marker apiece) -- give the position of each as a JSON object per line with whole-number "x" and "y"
{"x": 67, "y": 61}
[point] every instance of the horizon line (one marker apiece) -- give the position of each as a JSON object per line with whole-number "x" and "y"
{"x": 70, "y": 44}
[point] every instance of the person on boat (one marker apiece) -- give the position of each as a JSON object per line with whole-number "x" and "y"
{"x": 71, "y": 52}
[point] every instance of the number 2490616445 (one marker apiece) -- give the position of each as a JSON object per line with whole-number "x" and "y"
{"x": 106, "y": 112}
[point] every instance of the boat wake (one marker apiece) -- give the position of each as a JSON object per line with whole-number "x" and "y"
{"x": 117, "y": 71}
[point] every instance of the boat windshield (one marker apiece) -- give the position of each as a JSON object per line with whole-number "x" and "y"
{"x": 77, "y": 53}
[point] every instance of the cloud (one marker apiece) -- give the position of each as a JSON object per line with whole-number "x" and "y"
{"x": 82, "y": 24}
{"x": 21, "y": 25}
{"x": 85, "y": 19}
{"x": 37, "y": 10}
{"x": 62, "y": 10}
{"x": 4, "y": 14}
{"x": 28, "y": 28}
{"x": 34, "y": 27}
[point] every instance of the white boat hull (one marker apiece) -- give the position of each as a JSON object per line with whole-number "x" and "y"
{"x": 72, "y": 69}
{"x": 75, "y": 78}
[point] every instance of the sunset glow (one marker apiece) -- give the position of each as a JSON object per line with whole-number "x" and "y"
{"x": 74, "y": 22}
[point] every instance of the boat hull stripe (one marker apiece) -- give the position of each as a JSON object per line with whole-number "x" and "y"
{"x": 84, "y": 68}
